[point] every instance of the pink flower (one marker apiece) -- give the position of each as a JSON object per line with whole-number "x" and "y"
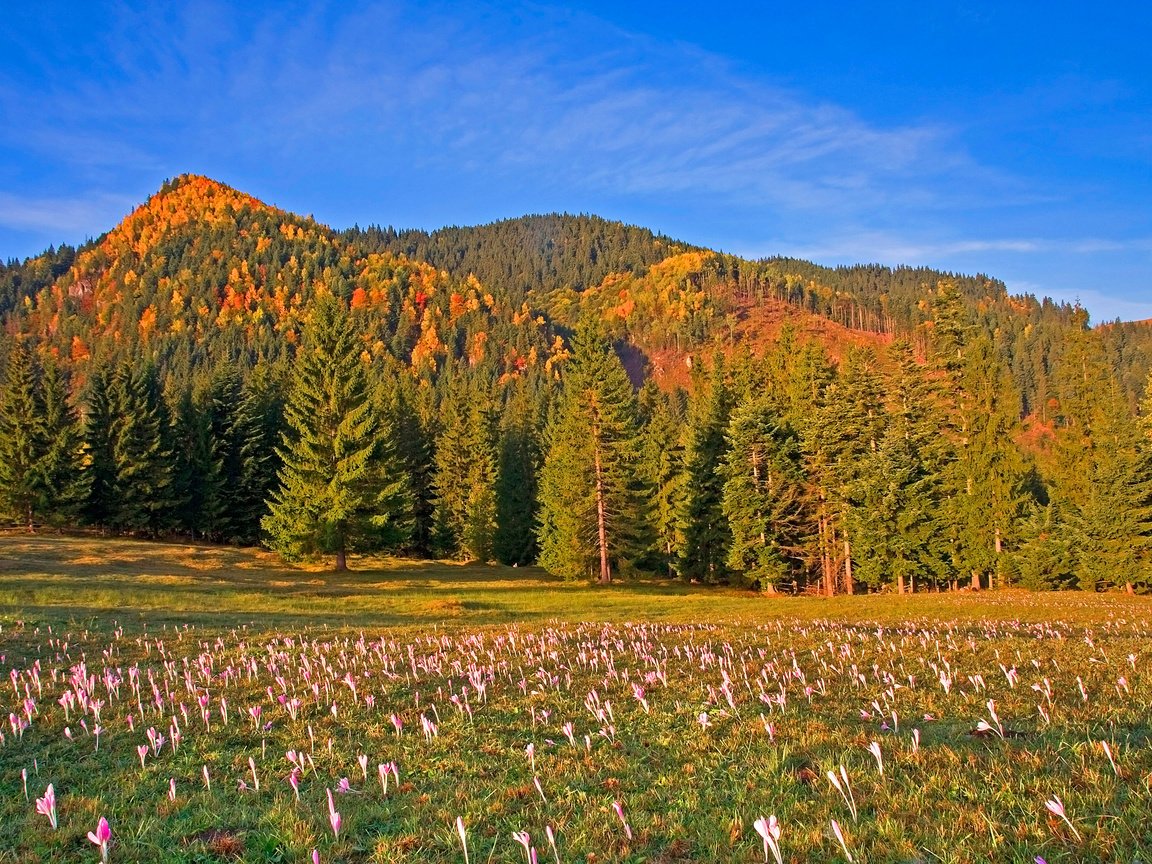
{"x": 47, "y": 805}
{"x": 333, "y": 817}
{"x": 101, "y": 837}
{"x": 619, "y": 808}
{"x": 769, "y": 830}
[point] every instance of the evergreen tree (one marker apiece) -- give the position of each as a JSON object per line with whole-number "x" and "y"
{"x": 661, "y": 467}
{"x": 198, "y": 483}
{"x": 62, "y": 472}
{"x": 142, "y": 457}
{"x": 466, "y": 475}
{"x": 338, "y": 491}
{"x": 842, "y": 437}
{"x": 764, "y": 497}
{"x": 899, "y": 491}
{"x": 409, "y": 410}
{"x": 23, "y": 438}
{"x": 984, "y": 484}
{"x": 1111, "y": 525}
{"x": 706, "y": 534}
{"x": 100, "y": 469}
{"x": 517, "y": 478}
{"x": 591, "y": 511}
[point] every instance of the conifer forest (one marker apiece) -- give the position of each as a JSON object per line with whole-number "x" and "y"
{"x": 572, "y": 392}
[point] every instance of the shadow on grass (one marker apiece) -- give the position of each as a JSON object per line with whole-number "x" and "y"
{"x": 177, "y": 583}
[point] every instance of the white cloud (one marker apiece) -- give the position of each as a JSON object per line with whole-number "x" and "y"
{"x": 66, "y": 218}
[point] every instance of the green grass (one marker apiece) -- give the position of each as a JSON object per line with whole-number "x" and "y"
{"x": 228, "y": 625}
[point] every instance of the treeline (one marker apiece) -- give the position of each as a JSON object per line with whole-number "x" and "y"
{"x": 782, "y": 472}
{"x": 152, "y": 385}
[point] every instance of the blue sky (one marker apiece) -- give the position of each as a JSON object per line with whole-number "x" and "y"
{"x": 1010, "y": 138}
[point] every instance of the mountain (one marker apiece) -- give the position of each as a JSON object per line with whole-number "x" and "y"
{"x": 811, "y": 428}
{"x": 201, "y": 273}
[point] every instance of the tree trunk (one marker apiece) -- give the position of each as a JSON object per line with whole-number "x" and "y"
{"x": 900, "y": 584}
{"x": 975, "y": 580}
{"x": 601, "y": 521}
{"x": 849, "y": 585}
{"x": 999, "y": 546}
{"x": 341, "y": 559}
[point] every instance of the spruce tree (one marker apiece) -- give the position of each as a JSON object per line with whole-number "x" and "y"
{"x": 844, "y": 433}
{"x": 466, "y": 475}
{"x": 662, "y": 468}
{"x": 23, "y": 438}
{"x": 764, "y": 497}
{"x": 591, "y": 510}
{"x": 704, "y": 528}
{"x": 142, "y": 455}
{"x": 517, "y": 477}
{"x": 100, "y": 469}
{"x": 338, "y": 490}
{"x": 62, "y": 468}
{"x": 197, "y": 483}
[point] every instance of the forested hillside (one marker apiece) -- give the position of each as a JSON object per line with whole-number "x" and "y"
{"x": 222, "y": 369}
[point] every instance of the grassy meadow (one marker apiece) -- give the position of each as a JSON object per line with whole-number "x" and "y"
{"x": 214, "y": 705}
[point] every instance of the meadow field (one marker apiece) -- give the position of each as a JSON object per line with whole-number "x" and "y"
{"x": 212, "y": 705}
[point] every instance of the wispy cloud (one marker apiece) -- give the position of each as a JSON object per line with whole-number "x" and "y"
{"x": 66, "y": 218}
{"x": 633, "y": 117}
{"x": 911, "y": 249}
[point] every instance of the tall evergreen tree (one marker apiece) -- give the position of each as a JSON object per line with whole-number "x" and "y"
{"x": 764, "y": 497}
{"x": 591, "y": 511}
{"x": 662, "y": 468}
{"x": 23, "y": 438}
{"x": 62, "y": 475}
{"x": 843, "y": 434}
{"x": 100, "y": 469}
{"x": 198, "y": 483}
{"x": 706, "y": 534}
{"x": 984, "y": 484}
{"x": 466, "y": 474}
{"x": 339, "y": 492}
{"x": 142, "y": 457}
{"x": 517, "y": 477}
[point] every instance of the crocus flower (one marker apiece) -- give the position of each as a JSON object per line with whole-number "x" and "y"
{"x": 102, "y": 836}
{"x": 1056, "y": 807}
{"x": 769, "y": 830}
{"x": 619, "y": 808}
{"x": 333, "y": 817}
{"x": 47, "y": 805}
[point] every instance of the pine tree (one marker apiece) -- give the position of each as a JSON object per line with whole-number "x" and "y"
{"x": 764, "y": 497}
{"x": 100, "y": 468}
{"x": 843, "y": 435}
{"x": 197, "y": 482}
{"x": 338, "y": 490}
{"x": 983, "y": 485}
{"x": 517, "y": 478}
{"x": 466, "y": 475}
{"x": 662, "y": 468}
{"x": 409, "y": 411}
{"x": 23, "y": 438}
{"x": 62, "y": 476}
{"x": 591, "y": 511}
{"x": 142, "y": 457}
{"x": 1111, "y": 525}
{"x": 704, "y": 528}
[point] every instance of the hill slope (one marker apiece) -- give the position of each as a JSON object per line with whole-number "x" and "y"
{"x": 201, "y": 272}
